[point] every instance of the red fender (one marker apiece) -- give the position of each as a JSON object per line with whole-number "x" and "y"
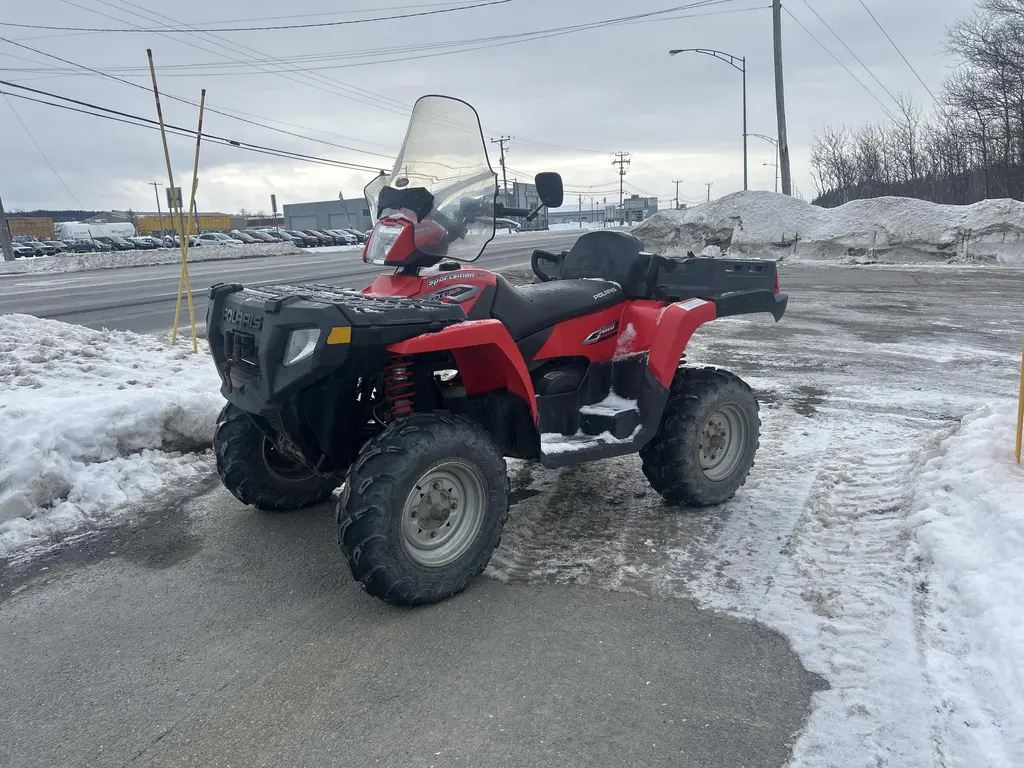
{"x": 485, "y": 353}
{"x": 675, "y": 327}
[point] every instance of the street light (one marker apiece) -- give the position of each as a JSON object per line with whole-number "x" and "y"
{"x": 775, "y": 144}
{"x": 731, "y": 60}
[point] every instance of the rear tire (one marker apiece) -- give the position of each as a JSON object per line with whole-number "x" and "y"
{"x": 258, "y": 474}
{"x": 705, "y": 445}
{"x": 423, "y": 508}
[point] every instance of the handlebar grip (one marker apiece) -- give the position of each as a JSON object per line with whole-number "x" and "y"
{"x": 501, "y": 210}
{"x": 539, "y": 256}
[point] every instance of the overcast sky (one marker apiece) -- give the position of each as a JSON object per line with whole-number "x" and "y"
{"x": 590, "y": 93}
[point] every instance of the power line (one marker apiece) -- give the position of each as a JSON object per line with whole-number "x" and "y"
{"x": 887, "y": 37}
{"x": 33, "y": 138}
{"x": 195, "y": 104}
{"x": 126, "y": 116}
{"x": 191, "y": 29}
{"x": 840, "y": 63}
{"x": 848, "y": 48}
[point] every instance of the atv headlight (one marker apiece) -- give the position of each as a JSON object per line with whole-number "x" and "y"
{"x": 301, "y": 344}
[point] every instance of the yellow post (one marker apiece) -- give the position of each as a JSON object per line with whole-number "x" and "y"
{"x": 1020, "y": 407}
{"x": 175, "y": 208}
{"x": 188, "y": 231}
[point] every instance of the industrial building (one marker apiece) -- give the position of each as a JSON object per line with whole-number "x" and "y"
{"x": 634, "y": 208}
{"x": 39, "y": 227}
{"x": 328, "y": 214}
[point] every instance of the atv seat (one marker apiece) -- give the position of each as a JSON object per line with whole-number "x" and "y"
{"x": 526, "y": 309}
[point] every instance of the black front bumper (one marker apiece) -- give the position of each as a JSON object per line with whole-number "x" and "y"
{"x": 248, "y": 331}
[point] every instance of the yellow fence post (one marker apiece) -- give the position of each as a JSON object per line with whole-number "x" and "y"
{"x": 176, "y": 208}
{"x": 1020, "y": 407}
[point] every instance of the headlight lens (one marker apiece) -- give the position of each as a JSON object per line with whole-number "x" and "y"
{"x": 301, "y": 344}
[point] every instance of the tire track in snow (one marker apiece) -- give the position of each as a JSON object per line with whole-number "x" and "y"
{"x": 843, "y": 591}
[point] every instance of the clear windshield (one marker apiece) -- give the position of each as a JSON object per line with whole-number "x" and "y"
{"x": 444, "y": 159}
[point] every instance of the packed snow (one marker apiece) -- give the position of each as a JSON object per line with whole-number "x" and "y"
{"x": 885, "y": 229}
{"x": 95, "y": 422}
{"x": 610, "y": 406}
{"x": 970, "y": 533}
{"x": 80, "y": 262}
{"x": 555, "y": 442}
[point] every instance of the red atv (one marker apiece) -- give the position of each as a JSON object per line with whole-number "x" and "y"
{"x": 413, "y": 391}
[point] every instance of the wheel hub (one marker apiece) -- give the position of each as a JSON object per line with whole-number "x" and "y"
{"x": 435, "y": 508}
{"x": 722, "y": 442}
{"x": 443, "y": 513}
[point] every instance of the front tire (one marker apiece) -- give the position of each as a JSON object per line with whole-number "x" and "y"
{"x": 258, "y": 474}
{"x": 423, "y": 508}
{"x": 705, "y": 445}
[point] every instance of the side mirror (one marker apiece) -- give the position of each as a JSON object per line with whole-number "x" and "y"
{"x": 549, "y": 188}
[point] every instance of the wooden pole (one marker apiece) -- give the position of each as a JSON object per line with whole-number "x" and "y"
{"x": 5, "y": 236}
{"x": 780, "y": 100}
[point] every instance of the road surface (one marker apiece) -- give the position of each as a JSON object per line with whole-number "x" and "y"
{"x": 203, "y": 633}
{"x": 142, "y": 299}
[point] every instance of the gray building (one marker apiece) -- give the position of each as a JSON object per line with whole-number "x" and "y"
{"x": 328, "y": 214}
{"x": 634, "y": 208}
{"x": 596, "y": 214}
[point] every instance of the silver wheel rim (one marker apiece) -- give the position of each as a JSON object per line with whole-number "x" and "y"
{"x": 443, "y": 514}
{"x": 722, "y": 442}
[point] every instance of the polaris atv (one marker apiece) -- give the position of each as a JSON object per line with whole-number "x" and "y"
{"x": 413, "y": 391}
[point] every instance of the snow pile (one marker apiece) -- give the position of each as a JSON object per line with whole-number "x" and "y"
{"x": 970, "y": 534}
{"x": 885, "y": 229}
{"x": 95, "y": 421}
{"x": 80, "y": 262}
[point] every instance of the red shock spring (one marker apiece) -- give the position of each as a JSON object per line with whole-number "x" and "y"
{"x": 399, "y": 387}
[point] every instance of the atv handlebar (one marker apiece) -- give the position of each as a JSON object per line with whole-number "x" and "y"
{"x": 539, "y": 256}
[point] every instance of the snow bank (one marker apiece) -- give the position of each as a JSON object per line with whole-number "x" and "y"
{"x": 970, "y": 534}
{"x": 79, "y": 262}
{"x": 885, "y": 229}
{"x": 95, "y": 421}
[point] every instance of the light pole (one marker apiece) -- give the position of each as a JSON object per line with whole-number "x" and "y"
{"x": 775, "y": 144}
{"x": 731, "y": 60}
{"x": 156, "y": 188}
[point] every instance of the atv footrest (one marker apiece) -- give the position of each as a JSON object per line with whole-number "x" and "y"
{"x": 618, "y": 419}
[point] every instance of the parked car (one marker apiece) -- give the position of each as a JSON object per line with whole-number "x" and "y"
{"x": 217, "y": 238}
{"x": 33, "y": 248}
{"x": 89, "y": 246}
{"x": 57, "y": 246}
{"x": 146, "y": 243}
{"x": 266, "y": 235}
{"x": 22, "y": 251}
{"x": 320, "y": 237}
{"x": 173, "y": 241}
{"x": 301, "y": 239}
{"x": 359, "y": 236}
{"x": 116, "y": 243}
{"x": 242, "y": 237}
{"x": 341, "y": 237}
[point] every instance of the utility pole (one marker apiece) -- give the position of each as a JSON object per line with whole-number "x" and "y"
{"x": 581, "y": 211}
{"x": 160, "y": 214}
{"x": 504, "y": 177}
{"x": 709, "y": 184}
{"x": 5, "y": 235}
{"x": 677, "y": 182}
{"x": 621, "y": 160}
{"x": 780, "y": 100}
